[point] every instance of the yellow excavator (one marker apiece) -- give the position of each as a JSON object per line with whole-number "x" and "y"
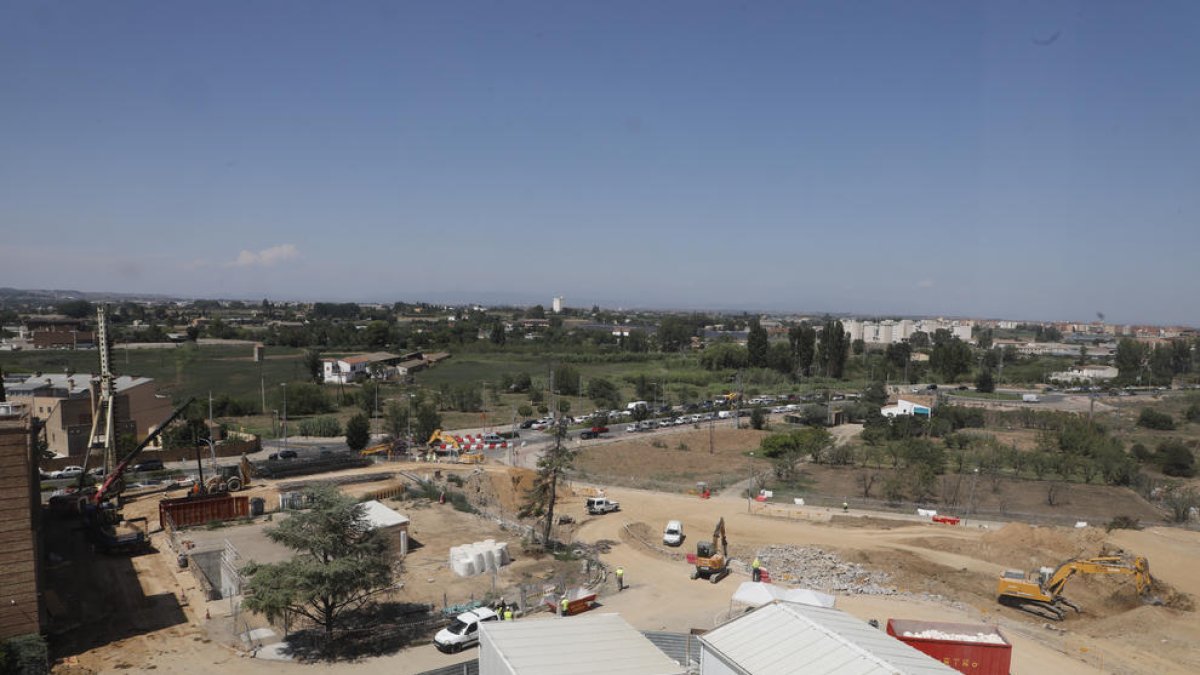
{"x": 440, "y": 437}
{"x": 1040, "y": 593}
{"x": 710, "y": 563}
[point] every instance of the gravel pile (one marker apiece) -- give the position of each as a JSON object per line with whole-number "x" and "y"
{"x": 820, "y": 570}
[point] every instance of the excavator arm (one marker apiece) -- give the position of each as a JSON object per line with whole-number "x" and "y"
{"x": 1044, "y": 599}
{"x": 1137, "y": 567}
{"x": 719, "y": 534}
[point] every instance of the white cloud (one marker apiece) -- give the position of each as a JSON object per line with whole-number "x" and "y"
{"x": 925, "y": 283}
{"x": 266, "y": 257}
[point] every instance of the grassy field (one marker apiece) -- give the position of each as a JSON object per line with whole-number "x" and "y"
{"x": 186, "y": 370}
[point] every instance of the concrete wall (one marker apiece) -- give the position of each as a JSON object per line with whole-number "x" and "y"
{"x": 20, "y": 531}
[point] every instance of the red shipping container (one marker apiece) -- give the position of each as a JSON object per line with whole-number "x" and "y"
{"x": 965, "y": 656}
{"x": 189, "y": 511}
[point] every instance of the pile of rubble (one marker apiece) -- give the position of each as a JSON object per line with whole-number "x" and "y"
{"x": 817, "y": 569}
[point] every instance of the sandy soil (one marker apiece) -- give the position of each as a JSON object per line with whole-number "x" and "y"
{"x": 942, "y": 572}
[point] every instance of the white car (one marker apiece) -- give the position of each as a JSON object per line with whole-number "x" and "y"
{"x": 68, "y": 472}
{"x": 673, "y": 533}
{"x": 463, "y": 631}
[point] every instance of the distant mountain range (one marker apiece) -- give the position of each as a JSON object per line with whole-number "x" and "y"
{"x": 39, "y": 295}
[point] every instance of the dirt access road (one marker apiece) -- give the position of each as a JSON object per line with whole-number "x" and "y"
{"x": 924, "y": 561}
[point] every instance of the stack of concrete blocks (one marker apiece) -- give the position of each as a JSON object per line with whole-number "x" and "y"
{"x": 480, "y": 557}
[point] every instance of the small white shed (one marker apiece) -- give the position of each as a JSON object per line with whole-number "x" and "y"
{"x": 596, "y": 644}
{"x": 392, "y": 524}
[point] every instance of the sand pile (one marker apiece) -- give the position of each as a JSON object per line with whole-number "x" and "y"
{"x": 1029, "y": 547}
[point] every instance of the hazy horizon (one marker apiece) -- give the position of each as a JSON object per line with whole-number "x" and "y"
{"x": 961, "y": 159}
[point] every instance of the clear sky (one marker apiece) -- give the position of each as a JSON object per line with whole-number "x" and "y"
{"x": 1006, "y": 159}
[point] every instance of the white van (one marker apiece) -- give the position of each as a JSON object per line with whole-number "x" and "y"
{"x": 673, "y": 533}
{"x": 463, "y": 631}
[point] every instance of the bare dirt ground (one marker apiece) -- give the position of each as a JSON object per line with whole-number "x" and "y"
{"x": 685, "y": 457}
{"x": 149, "y": 614}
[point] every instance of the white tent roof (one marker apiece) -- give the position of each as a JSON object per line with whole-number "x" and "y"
{"x": 380, "y": 516}
{"x": 784, "y": 638}
{"x": 599, "y": 644}
{"x": 759, "y": 594}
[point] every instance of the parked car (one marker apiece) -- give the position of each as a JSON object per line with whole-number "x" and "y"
{"x": 673, "y": 533}
{"x": 528, "y": 423}
{"x": 148, "y": 465}
{"x": 68, "y": 472}
{"x": 600, "y": 429}
{"x": 588, "y": 433}
{"x": 463, "y": 631}
{"x": 632, "y": 428}
{"x": 493, "y": 438}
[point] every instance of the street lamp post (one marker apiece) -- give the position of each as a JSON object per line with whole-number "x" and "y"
{"x": 750, "y": 488}
{"x": 974, "y": 479}
{"x": 284, "y": 421}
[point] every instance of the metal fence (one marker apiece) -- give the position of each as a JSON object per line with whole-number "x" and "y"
{"x": 682, "y": 647}
{"x": 465, "y": 668}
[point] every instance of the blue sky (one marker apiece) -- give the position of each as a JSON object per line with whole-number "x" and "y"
{"x": 1007, "y": 159}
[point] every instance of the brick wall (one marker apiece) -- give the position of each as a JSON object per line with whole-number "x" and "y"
{"x": 20, "y": 601}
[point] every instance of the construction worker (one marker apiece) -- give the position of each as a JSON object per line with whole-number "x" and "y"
{"x": 846, "y": 506}
{"x": 500, "y": 609}
{"x": 508, "y": 614}
{"x": 564, "y": 604}
{"x": 755, "y": 571}
{"x": 620, "y": 578}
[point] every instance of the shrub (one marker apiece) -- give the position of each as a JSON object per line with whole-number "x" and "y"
{"x": 758, "y": 418}
{"x": 1155, "y": 419}
{"x": 325, "y": 427}
{"x": 1193, "y": 413}
{"x": 1123, "y": 523}
{"x": 25, "y": 654}
{"x": 1176, "y": 459}
{"x": 1141, "y": 453}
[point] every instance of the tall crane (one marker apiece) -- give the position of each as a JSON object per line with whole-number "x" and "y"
{"x": 103, "y": 404}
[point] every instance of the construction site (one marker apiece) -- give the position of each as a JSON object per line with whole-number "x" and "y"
{"x": 154, "y": 577}
{"x": 151, "y": 610}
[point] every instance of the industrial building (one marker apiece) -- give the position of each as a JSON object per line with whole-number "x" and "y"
{"x": 63, "y": 404}
{"x": 784, "y": 638}
{"x": 600, "y": 644}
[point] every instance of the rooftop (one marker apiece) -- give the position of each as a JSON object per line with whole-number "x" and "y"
{"x": 784, "y": 638}
{"x": 600, "y": 644}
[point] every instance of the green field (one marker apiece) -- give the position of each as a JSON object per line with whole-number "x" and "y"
{"x": 186, "y": 370}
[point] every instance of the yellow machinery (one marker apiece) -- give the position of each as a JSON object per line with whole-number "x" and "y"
{"x": 381, "y": 449}
{"x": 230, "y": 478}
{"x": 1041, "y": 595}
{"x": 710, "y": 563}
{"x": 440, "y": 437}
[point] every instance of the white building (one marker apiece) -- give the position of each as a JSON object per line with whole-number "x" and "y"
{"x": 1085, "y": 374}
{"x": 359, "y": 367}
{"x": 604, "y": 644}
{"x": 891, "y": 332}
{"x": 785, "y": 638}
{"x": 903, "y": 407}
{"x": 557, "y": 304}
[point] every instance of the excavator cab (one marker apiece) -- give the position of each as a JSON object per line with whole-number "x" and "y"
{"x": 711, "y": 562}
